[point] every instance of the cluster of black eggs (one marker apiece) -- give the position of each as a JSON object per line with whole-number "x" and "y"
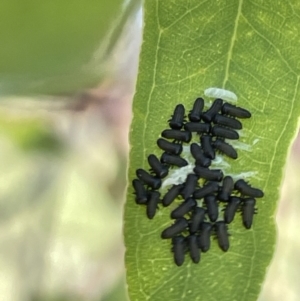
{"x": 198, "y": 216}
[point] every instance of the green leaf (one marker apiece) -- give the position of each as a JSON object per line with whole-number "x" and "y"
{"x": 251, "y": 48}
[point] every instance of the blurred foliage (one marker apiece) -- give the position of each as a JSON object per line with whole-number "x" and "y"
{"x": 61, "y": 225}
{"x": 119, "y": 292}
{"x": 57, "y": 46}
{"x": 30, "y": 134}
{"x": 60, "y": 229}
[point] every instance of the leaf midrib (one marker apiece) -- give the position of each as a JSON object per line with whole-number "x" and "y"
{"x": 233, "y": 38}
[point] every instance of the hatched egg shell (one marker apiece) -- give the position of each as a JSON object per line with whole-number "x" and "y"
{"x": 220, "y": 93}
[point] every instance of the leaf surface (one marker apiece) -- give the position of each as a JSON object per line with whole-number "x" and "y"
{"x": 252, "y": 49}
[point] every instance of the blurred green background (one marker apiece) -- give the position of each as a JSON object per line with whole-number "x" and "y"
{"x": 65, "y": 110}
{"x": 58, "y": 46}
{"x": 67, "y": 76}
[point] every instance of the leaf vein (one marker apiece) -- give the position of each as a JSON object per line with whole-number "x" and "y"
{"x": 270, "y": 43}
{"x": 188, "y": 11}
{"x": 233, "y": 38}
{"x": 284, "y": 128}
{"x": 152, "y": 87}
